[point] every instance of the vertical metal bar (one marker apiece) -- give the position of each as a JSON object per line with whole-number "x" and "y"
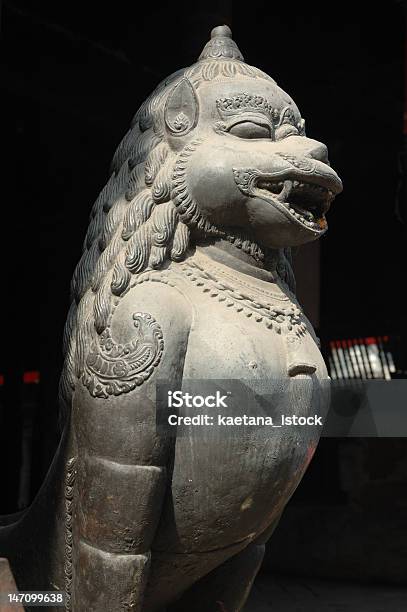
{"x": 383, "y": 358}
{"x": 365, "y": 357}
{"x": 359, "y": 357}
{"x": 335, "y": 358}
{"x": 348, "y": 359}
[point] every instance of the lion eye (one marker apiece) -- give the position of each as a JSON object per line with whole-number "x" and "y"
{"x": 249, "y": 129}
{"x": 285, "y": 130}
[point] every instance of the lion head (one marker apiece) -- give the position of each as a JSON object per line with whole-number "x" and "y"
{"x": 218, "y": 151}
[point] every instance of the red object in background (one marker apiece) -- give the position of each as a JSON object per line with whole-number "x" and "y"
{"x": 32, "y": 377}
{"x": 29, "y": 378}
{"x": 371, "y": 340}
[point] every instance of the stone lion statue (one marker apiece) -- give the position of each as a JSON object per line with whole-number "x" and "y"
{"x": 185, "y": 275}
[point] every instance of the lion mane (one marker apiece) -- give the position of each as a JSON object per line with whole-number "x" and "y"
{"x": 142, "y": 218}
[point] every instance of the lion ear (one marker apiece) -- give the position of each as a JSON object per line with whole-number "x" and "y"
{"x": 181, "y": 109}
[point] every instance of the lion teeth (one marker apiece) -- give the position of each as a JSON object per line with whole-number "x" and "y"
{"x": 313, "y": 193}
{"x": 271, "y": 185}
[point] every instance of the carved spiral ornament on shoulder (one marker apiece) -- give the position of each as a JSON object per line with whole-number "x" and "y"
{"x": 113, "y": 369}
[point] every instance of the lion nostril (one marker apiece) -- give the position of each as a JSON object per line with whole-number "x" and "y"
{"x": 320, "y": 152}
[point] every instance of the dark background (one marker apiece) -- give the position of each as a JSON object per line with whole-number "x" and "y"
{"x": 73, "y": 74}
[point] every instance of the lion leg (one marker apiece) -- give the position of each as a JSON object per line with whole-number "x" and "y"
{"x": 119, "y": 488}
{"x": 122, "y": 455}
{"x": 227, "y": 587}
{"x": 115, "y": 521}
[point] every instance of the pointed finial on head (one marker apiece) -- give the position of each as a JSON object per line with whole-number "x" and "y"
{"x": 222, "y": 30}
{"x": 221, "y": 45}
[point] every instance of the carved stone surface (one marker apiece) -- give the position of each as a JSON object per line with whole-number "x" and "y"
{"x": 111, "y": 368}
{"x": 185, "y": 275}
{"x": 7, "y": 588}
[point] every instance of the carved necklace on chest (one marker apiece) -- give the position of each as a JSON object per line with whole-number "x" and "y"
{"x": 261, "y": 304}
{"x": 279, "y": 314}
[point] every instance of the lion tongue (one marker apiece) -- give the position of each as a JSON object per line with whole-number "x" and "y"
{"x": 283, "y": 196}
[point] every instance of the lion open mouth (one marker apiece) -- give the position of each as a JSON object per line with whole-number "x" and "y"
{"x": 305, "y": 202}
